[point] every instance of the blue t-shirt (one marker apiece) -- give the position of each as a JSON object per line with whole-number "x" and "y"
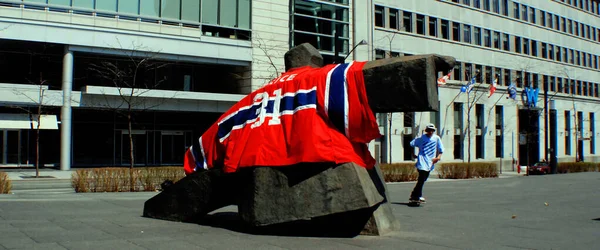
{"x": 429, "y": 147}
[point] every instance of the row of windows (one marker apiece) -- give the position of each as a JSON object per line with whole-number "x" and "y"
{"x": 592, "y": 6}
{"x": 427, "y": 25}
{"x": 537, "y": 16}
{"x": 459, "y": 137}
{"x": 222, "y": 18}
{"x": 520, "y": 78}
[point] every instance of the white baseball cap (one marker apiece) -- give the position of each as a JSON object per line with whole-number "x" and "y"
{"x": 430, "y": 126}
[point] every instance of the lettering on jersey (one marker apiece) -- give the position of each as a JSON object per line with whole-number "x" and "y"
{"x": 265, "y": 105}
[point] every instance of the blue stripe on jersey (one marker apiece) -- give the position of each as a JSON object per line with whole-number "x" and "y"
{"x": 429, "y": 149}
{"x": 287, "y": 103}
{"x": 337, "y": 91}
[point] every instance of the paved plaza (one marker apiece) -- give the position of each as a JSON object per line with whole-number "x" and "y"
{"x": 513, "y": 212}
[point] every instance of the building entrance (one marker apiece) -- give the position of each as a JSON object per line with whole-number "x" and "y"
{"x": 529, "y": 137}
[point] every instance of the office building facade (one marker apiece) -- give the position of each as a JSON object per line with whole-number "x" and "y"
{"x": 173, "y": 66}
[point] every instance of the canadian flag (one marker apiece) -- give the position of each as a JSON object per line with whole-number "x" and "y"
{"x": 493, "y": 87}
{"x": 442, "y": 80}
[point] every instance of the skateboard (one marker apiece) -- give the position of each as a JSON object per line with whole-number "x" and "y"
{"x": 413, "y": 203}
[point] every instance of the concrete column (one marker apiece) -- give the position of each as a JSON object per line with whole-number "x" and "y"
{"x": 65, "y": 121}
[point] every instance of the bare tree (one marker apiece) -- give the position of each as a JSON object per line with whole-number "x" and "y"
{"x": 572, "y": 86}
{"x": 35, "y": 117}
{"x": 264, "y": 67}
{"x": 128, "y": 76}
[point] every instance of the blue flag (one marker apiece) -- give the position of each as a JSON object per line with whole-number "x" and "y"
{"x": 512, "y": 91}
{"x": 469, "y": 86}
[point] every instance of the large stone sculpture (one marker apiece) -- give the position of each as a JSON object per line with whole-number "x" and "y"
{"x": 335, "y": 199}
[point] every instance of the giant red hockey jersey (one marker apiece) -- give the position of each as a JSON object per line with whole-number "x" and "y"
{"x": 305, "y": 115}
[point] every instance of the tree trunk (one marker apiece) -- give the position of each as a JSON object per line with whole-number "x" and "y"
{"x": 37, "y": 149}
{"x": 131, "y": 161}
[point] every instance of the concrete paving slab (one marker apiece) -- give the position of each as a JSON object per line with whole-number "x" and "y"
{"x": 40, "y": 246}
{"x": 533, "y": 212}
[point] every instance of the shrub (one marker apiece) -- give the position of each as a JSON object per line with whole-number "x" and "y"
{"x": 124, "y": 179}
{"x": 399, "y": 172}
{"x": 5, "y": 183}
{"x": 576, "y": 167}
{"x": 463, "y": 170}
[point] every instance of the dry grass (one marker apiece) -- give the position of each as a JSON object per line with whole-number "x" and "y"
{"x": 5, "y": 183}
{"x": 576, "y": 167}
{"x": 399, "y": 172}
{"x": 462, "y": 170}
{"x": 124, "y": 179}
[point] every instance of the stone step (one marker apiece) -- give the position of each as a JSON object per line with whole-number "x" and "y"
{"x": 46, "y": 191}
{"x": 37, "y": 184}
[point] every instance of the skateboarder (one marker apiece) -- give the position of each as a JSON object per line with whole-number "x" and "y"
{"x": 430, "y": 152}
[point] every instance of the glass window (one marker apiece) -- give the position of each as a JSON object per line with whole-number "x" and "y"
{"x": 243, "y": 14}
{"x": 170, "y": 9}
{"x": 487, "y": 38}
{"x": 433, "y": 26}
{"x": 543, "y": 17}
{"x": 549, "y": 21}
{"x": 379, "y": 54}
{"x": 499, "y": 125}
{"x": 524, "y": 14}
{"x": 488, "y": 74}
{"x": 517, "y": 11}
{"x": 379, "y": 22}
{"x": 456, "y": 31}
{"x": 572, "y": 56}
{"x": 407, "y": 19}
{"x": 393, "y": 17}
{"x": 129, "y": 7}
{"x": 109, "y": 5}
{"x": 559, "y": 85}
{"x": 496, "y": 39}
{"x": 190, "y": 10}
{"x": 567, "y": 132}
{"x": 532, "y": 17}
{"x": 517, "y": 44}
{"x": 507, "y": 80}
{"x": 496, "y": 6}
{"x": 457, "y": 71}
{"x": 544, "y": 52}
{"x": 550, "y": 51}
{"x": 534, "y": 48}
{"x": 458, "y": 125}
{"x": 477, "y": 35}
{"x": 506, "y": 42}
{"x": 467, "y": 33}
{"x": 445, "y": 29}
{"x": 468, "y": 70}
{"x": 210, "y": 10}
{"x": 150, "y": 8}
{"x": 60, "y": 2}
{"x": 505, "y": 7}
{"x": 87, "y": 4}
{"x": 227, "y": 13}
{"x": 420, "y": 24}
{"x": 486, "y": 5}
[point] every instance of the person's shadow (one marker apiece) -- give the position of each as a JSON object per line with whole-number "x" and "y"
{"x": 408, "y": 204}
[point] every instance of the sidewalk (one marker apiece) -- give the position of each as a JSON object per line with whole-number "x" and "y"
{"x": 27, "y": 174}
{"x": 561, "y": 213}
{"x": 17, "y": 174}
